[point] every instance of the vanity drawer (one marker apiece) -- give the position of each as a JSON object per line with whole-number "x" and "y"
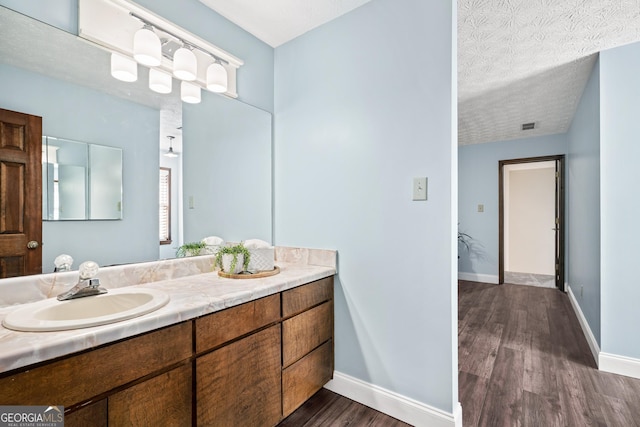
{"x": 77, "y": 378}
{"x": 303, "y": 297}
{"x": 215, "y": 329}
{"x": 306, "y": 331}
{"x": 304, "y": 378}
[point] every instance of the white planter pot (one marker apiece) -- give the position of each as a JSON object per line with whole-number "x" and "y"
{"x": 227, "y": 260}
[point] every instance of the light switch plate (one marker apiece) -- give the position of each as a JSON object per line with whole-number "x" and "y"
{"x": 420, "y": 188}
{"x": 481, "y": 208}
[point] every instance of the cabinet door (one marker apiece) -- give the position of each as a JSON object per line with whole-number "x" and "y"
{"x": 304, "y": 378}
{"x": 94, "y": 415}
{"x": 305, "y": 332}
{"x": 164, "y": 400}
{"x": 240, "y": 384}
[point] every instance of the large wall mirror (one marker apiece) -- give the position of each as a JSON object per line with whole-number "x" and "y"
{"x": 47, "y": 72}
{"x": 80, "y": 181}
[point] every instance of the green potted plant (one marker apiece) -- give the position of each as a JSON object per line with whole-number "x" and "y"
{"x": 233, "y": 259}
{"x": 191, "y": 249}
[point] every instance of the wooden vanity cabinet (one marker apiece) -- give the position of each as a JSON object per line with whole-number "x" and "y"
{"x": 252, "y": 364}
{"x": 238, "y": 374}
{"x": 87, "y": 382}
{"x": 307, "y": 342}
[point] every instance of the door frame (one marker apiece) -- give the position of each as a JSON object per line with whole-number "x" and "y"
{"x": 560, "y": 208}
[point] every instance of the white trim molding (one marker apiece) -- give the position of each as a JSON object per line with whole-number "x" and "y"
{"x": 475, "y": 277}
{"x": 393, "y": 404}
{"x": 620, "y": 365}
{"x": 586, "y": 330}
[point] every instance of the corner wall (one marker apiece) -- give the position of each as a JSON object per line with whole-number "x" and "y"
{"x": 620, "y": 206}
{"x": 583, "y": 213}
{"x": 362, "y": 105}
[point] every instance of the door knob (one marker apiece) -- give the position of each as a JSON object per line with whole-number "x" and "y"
{"x": 32, "y": 244}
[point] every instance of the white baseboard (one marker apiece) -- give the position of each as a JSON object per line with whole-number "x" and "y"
{"x": 620, "y": 365}
{"x": 393, "y": 404}
{"x": 475, "y": 277}
{"x": 586, "y": 330}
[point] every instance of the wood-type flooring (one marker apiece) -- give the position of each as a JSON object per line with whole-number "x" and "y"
{"x": 327, "y": 408}
{"x": 524, "y": 361}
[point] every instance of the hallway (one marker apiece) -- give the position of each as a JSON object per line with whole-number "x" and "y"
{"x": 523, "y": 361}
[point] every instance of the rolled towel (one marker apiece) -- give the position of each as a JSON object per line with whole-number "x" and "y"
{"x": 213, "y": 241}
{"x": 256, "y": 244}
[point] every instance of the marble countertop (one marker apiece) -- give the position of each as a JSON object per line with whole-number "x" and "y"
{"x": 191, "y": 297}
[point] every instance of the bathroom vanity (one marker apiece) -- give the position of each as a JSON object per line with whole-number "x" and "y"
{"x": 245, "y": 352}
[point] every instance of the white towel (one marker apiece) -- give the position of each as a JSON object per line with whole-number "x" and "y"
{"x": 213, "y": 241}
{"x": 256, "y": 244}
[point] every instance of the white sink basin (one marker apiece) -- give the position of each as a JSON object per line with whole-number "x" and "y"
{"x": 114, "y": 306}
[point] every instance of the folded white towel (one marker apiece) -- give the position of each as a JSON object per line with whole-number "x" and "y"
{"x": 213, "y": 241}
{"x": 256, "y": 244}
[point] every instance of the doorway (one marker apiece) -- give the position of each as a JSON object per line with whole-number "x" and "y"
{"x": 20, "y": 194}
{"x": 531, "y": 221}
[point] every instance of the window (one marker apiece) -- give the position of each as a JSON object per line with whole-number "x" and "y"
{"x": 165, "y": 206}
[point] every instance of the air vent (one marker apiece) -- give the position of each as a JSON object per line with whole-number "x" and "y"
{"x": 528, "y": 126}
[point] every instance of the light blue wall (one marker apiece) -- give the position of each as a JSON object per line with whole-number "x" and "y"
{"x": 478, "y": 184}
{"x": 583, "y": 213}
{"x": 620, "y": 206}
{"x": 227, "y": 170}
{"x": 255, "y": 77}
{"x": 77, "y": 113}
{"x": 363, "y": 105}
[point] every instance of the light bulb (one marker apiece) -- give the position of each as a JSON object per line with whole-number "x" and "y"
{"x": 185, "y": 65}
{"x": 217, "y": 80}
{"x": 159, "y": 81}
{"x": 123, "y": 68}
{"x": 147, "y": 49}
{"x": 190, "y": 93}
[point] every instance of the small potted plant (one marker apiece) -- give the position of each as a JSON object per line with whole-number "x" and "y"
{"x": 191, "y": 249}
{"x": 233, "y": 259}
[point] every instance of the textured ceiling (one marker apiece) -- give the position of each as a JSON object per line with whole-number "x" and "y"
{"x": 277, "y": 21}
{"x": 523, "y": 61}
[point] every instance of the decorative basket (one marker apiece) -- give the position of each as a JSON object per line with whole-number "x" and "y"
{"x": 227, "y": 260}
{"x": 261, "y": 259}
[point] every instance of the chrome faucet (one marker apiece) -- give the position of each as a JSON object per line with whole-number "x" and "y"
{"x": 87, "y": 285}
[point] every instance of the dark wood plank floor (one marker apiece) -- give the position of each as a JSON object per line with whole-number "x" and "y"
{"x": 326, "y": 408}
{"x": 524, "y": 361}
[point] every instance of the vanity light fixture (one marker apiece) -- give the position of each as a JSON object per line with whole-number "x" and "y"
{"x": 167, "y": 50}
{"x": 170, "y": 153}
{"x": 185, "y": 64}
{"x": 123, "y": 68}
{"x": 159, "y": 81}
{"x": 147, "y": 48}
{"x": 189, "y": 93}
{"x": 217, "y": 79}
